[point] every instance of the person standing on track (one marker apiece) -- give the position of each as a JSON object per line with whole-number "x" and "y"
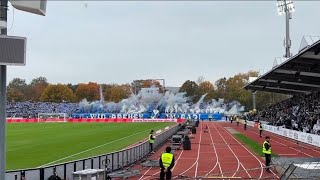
{"x": 245, "y": 124}
{"x": 166, "y": 163}
{"x": 266, "y": 149}
{"x": 231, "y": 119}
{"x": 151, "y": 141}
{"x": 260, "y": 128}
{"x": 237, "y": 119}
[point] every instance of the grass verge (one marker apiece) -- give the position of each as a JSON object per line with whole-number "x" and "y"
{"x": 253, "y": 145}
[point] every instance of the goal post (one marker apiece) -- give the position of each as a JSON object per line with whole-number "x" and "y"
{"x": 52, "y": 117}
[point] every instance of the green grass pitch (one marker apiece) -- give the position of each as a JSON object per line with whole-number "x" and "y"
{"x": 32, "y": 145}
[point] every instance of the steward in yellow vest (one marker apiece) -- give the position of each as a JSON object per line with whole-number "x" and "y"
{"x": 151, "y": 141}
{"x": 166, "y": 163}
{"x": 266, "y": 150}
{"x": 260, "y": 128}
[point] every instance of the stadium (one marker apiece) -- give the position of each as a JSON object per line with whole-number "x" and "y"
{"x": 100, "y": 131}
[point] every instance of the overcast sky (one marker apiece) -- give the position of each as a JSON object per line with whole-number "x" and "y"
{"x": 118, "y": 42}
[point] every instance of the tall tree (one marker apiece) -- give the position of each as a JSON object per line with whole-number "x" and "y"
{"x": 116, "y": 93}
{"x": 191, "y": 89}
{"x": 207, "y": 87}
{"x": 17, "y": 90}
{"x": 88, "y": 91}
{"x": 37, "y": 86}
{"x": 73, "y": 87}
{"x": 57, "y": 93}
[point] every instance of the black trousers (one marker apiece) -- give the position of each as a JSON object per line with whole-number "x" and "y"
{"x": 245, "y": 127}
{"x": 260, "y": 133}
{"x": 268, "y": 160}
{"x": 168, "y": 174}
{"x": 237, "y": 123}
{"x": 151, "y": 146}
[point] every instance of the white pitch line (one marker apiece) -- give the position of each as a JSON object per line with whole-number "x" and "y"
{"x": 93, "y": 148}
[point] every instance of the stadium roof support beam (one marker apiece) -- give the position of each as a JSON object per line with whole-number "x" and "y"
{"x": 298, "y": 74}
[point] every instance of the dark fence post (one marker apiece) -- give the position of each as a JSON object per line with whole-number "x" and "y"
{"x": 91, "y": 163}
{"x": 41, "y": 174}
{"x": 75, "y": 166}
{"x": 112, "y": 159}
{"x": 65, "y": 171}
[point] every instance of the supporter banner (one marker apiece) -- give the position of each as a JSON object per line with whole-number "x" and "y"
{"x": 90, "y": 120}
{"x": 196, "y": 116}
{"x": 156, "y": 120}
{"x": 296, "y": 135}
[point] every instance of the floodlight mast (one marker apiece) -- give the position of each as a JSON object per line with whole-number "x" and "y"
{"x": 3, "y": 86}
{"x": 286, "y": 7}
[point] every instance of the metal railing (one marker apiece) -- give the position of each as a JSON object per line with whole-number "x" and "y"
{"x": 118, "y": 160}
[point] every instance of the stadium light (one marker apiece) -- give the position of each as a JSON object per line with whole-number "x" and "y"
{"x": 286, "y": 7}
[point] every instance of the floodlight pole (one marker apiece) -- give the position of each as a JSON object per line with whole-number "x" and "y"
{"x": 288, "y": 41}
{"x": 3, "y": 84}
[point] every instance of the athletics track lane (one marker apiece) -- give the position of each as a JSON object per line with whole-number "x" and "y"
{"x": 280, "y": 145}
{"x": 213, "y": 152}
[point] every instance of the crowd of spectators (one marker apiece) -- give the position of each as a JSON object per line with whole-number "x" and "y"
{"x": 300, "y": 112}
{"x": 30, "y": 109}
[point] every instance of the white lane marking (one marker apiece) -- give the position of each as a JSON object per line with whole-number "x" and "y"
{"x": 230, "y": 150}
{"x": 196, "y": 159}
{"x": 217, "y": 161}
{"x": 261, "y": 165}
{"x": 245, "y": 170}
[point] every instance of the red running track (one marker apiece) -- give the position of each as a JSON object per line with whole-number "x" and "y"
{"x": 282, "y": 146}
{"x": 215, "y": 153}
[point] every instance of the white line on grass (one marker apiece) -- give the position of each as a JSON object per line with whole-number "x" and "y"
{"x": 81, "y": 152}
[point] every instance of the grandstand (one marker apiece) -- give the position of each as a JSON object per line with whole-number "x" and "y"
{"x": 298, "y": 76}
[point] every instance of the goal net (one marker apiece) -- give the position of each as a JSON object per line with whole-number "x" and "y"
{"x": 52, "y": 117}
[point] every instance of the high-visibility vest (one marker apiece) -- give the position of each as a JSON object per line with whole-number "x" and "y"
{"x": 260, "y": 126}
{"x": 264, "y": 151}
{"x": 166, "y": 159}
{"x": 151, "y": 140}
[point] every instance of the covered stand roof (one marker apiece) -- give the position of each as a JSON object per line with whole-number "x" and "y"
{"x": 299, "y": 74}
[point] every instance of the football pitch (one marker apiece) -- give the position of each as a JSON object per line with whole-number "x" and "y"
{"x": 31, "y": 145}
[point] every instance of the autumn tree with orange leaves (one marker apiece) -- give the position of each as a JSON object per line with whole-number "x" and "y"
{"x": 88, "y": 91}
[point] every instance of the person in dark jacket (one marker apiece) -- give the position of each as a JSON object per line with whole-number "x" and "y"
{"x": 166, "y": 163}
